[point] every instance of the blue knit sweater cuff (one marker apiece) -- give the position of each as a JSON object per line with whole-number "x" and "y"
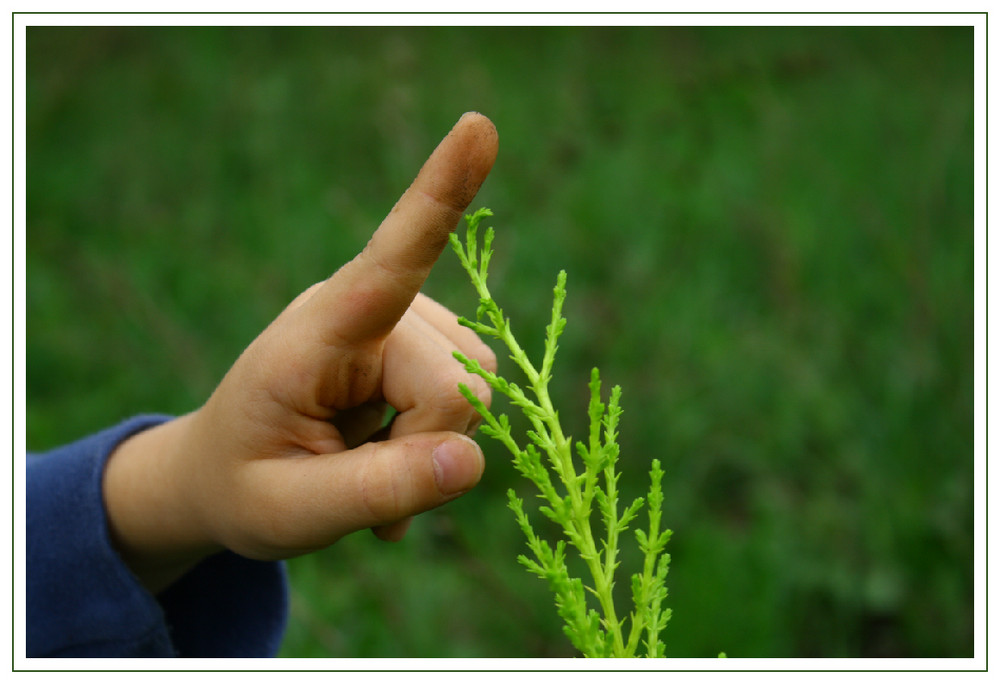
{"x": 82, "y": 600}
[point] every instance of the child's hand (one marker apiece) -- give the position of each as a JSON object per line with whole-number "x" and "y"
{"x": 280, "y": 460}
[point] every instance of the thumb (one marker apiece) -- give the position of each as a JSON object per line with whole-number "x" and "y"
{"x": 392, "y": 480}
{"x": 373, "y": 485}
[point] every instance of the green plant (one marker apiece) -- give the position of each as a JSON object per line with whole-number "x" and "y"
{"x": 574, "y": 493}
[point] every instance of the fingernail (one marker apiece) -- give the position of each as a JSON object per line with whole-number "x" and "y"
{"x": 458, "y": 465}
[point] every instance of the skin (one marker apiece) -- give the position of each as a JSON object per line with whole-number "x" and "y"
{"x": 287, "y": 456}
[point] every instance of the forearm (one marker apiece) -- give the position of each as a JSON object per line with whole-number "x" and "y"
{"x": 151, "y": 519}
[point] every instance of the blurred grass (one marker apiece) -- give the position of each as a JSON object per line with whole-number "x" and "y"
{"x": 768, "y": 234}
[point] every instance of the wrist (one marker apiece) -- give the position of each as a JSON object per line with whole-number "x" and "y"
{"x": 151, "y": 520}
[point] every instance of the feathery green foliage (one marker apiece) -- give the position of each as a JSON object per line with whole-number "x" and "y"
{"x": 575, "y": 492}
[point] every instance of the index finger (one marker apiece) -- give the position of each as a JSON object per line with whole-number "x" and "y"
{"x": 369, "y": 295}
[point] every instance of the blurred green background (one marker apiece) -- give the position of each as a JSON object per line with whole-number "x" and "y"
{"x": 768, "y": 234}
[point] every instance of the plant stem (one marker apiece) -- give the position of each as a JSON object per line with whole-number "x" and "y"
{"x": 595, "y": 634}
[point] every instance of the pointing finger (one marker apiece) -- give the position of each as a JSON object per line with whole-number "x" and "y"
{"x": 369, "y": 295}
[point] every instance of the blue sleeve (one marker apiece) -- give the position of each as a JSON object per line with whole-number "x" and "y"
{"x": 82, "y": 600}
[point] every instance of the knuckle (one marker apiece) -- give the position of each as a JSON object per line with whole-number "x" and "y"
{"x": 483, "y": 391}
{"x": 382, "y": 496}
{"x": 449, "y": 401}
{"x": 473, "y": 347}
{"x": 487, "y": 358}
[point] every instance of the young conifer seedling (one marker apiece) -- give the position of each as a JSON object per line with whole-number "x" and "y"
{"x": 577, "y": 482}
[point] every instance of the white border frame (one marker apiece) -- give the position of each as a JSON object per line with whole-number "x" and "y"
{"x": 17, "y": 265}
